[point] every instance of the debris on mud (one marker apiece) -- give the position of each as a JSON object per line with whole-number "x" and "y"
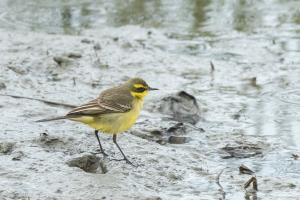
{"x": 18, "y": 156}
{"x": 49, "y": 140}
{"x": 245, "y": 170}
{"x": 241, "y": 151}
{"x": 182, "y": 106}
{"x": 88, "y": 163}
{"x": 295, "y": 156}
{"x": 252, "y": 180}
{"x": 53, "y": 143}
{"x": 173, "y": 134}
{"x": 17, "y": 69}
{"x": 62, "y": 60}
{"x": 73, "y": 55}
{"x": 86, "y": 41}
{"x": 6, "y": 147}
{"x": 2, "y": 86}
{"x": 178, "y": 139}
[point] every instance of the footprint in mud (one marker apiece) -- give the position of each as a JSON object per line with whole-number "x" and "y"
{"x": 182, "y": 106}
{"x": 52, "y": 143}
{"x": 88, "y": 163}
{"x": 173, "y": 135}
{"x": 241, "y": 150}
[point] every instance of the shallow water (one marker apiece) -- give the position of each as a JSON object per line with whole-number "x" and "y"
{"x": 251, "y": 97}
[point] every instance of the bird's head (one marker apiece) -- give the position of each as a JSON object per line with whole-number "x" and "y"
{"x": 138, "y": 87}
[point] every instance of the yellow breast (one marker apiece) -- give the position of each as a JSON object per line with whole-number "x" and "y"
{"x": 115, "y": 122}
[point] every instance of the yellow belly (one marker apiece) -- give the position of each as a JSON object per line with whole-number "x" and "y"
{"x": 113, "y": 123}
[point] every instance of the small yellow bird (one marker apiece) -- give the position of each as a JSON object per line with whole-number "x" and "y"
{"x": 114, "y": 111}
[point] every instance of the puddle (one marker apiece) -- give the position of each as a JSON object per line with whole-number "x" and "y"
{"x": 290, "y": 97}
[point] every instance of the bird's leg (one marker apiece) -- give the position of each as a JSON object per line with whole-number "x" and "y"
{"x": 125, "y": 158}
{"x": 101, "y": 149}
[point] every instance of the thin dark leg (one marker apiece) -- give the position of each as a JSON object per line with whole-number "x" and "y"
{"x": 101, "y": 149}
{"x": 125, "y": 158}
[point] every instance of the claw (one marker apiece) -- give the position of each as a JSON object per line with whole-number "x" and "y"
{"x": 127, "y": 161}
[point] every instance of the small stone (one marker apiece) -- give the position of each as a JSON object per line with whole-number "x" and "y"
{"x": 295, "y": 156}
{"x": 61, "y": 60}
{"x": 2, "y": 86}
{"x": 88, "y": 163}
{"x": 74, "y": 55}
{"x": 245, "y": 170}
{"x": 97, "y": 46}
{"x": 178, "y": 139}
{"x": 86, "y": 41}
{"x": 18, "y": 156}
{"x": 182, "y": 106}
{"x": 157, "y": 132}
{"x": 292, "y": 185}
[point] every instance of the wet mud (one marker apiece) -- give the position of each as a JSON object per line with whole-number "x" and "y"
{"x": 227, "y": 110}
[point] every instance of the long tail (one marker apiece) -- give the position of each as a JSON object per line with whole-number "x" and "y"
{"x": 51, "y": 119}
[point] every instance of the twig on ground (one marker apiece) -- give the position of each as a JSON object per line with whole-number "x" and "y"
{"x": 212, "y": 67}
{"x": 41, "y": 100}
{"x": 219, "y": 184}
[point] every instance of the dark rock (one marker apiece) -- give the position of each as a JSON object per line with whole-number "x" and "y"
{"x": 245, "y": 170}
{"x": 182, "y": 106}
{"x": 74, "y": 55}
{"x": 88, "y": 163}
{"x": 156, "y": 133}
{"x": 86, "y": 41}
{"x": 178, "y": 139}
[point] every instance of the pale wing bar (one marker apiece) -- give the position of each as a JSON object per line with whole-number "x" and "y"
{"x": 97, "y": 106}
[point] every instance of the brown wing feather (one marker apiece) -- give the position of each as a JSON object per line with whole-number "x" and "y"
{"x": 114, "y": 100}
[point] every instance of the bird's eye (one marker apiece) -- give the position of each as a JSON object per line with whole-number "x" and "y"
{"x": 140, "y": 89}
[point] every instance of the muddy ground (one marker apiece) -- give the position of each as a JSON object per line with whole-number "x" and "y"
{"x": 229, "y": 95}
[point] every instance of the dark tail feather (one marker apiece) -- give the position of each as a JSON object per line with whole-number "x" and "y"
{"x": 51, "y": 119}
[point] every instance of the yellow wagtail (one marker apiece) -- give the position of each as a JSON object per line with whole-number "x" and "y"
{"x": 114, "y": 111}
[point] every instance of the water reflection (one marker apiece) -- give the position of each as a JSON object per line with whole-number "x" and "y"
{"x": 195, "y": 17}
{"x": 245, "y": 16}
{"x": 192, "y": 20}
{"x": 200, "y": 12}
{"x": 136, "y": 12}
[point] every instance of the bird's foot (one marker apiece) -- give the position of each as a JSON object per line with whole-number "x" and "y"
{"x": 127, "y": 161}
{"x": 102, "y": 152}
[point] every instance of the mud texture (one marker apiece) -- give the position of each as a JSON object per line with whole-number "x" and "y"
{"x": 228, "y": 74}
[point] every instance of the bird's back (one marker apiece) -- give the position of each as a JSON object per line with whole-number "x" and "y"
{"x": 114, "y": 111}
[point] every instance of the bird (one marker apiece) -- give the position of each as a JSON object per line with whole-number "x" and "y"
{"x": 113, "y": 112}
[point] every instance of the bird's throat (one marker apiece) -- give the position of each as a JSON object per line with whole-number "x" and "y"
{"x": 139, "y": 95}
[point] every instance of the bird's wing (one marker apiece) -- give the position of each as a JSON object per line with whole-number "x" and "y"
{"x": 113, "y": 101}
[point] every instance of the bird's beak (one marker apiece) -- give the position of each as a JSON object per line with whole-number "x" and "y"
{"x": 150, "y": 88}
